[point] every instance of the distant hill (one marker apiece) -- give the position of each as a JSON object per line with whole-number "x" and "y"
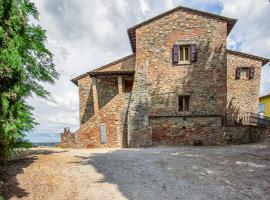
{"x": 44, "y": 144}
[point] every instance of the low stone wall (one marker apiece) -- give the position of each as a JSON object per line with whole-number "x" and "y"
{"x": 190, "y": 130}
{"x": 67, "y": 140}
{"x": 244, "y": 134}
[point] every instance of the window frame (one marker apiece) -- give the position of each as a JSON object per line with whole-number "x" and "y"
{"x": 183, "y": 97}
{"x": 263, "y": 105}
{"x": 184, "y": 47}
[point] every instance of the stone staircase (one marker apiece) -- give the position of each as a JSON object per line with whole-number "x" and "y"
{"x": 114, "y": 115}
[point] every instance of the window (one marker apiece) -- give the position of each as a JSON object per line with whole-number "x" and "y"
{"x": 184, "y": 53}
{"x": 242, "y": 72}
{"x": 261, "y": 108}
{"x": 128, "y": 86}
{"x": 183, "y": 103}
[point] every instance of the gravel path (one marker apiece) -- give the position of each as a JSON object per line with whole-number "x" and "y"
{"x": 231, "y": 172}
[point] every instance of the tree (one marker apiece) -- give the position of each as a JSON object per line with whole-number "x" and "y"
{"x": 25, "y": 62}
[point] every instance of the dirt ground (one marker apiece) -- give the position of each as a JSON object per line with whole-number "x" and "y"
{"x": 230, "y": 172}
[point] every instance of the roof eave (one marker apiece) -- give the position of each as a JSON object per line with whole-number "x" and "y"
{"x": 264, "y": 60}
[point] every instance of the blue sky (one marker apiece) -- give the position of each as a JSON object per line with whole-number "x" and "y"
{"x": 86, "y": 34}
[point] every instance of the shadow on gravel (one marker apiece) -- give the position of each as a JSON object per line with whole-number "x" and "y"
{"x": 233, "y": 172}
{"x": 8, "y": 173}
{"x": 118, "y": 166}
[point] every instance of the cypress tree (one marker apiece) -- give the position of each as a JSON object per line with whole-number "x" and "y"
{"x": 25, "y": 62}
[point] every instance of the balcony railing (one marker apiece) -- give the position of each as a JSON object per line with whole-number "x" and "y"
{"x": 252, "y": 119}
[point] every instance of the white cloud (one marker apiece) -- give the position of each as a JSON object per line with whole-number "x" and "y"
{"x": 144, "y": 6}
{"x": 251, "y": 32}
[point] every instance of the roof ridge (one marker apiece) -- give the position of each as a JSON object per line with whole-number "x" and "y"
{"x": 133, "y": 28}
{"x": 264, "y": 60}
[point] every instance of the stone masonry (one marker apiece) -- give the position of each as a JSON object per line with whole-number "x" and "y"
{"x": 149, "y": 114}
{"x": 243, "y": 93}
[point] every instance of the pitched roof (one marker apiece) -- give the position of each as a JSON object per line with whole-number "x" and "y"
{"x": 264, "y": 60}
{"x": 75, "y": 80}
{"x": 266, "y": 95}
{"x": 132, "y": 33}
{"x": 109, "y": 73}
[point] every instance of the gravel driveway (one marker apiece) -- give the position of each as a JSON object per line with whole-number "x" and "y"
{"x": 231, "y": 172}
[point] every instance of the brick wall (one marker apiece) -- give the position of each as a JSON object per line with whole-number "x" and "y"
{"x": 243, "y": 93}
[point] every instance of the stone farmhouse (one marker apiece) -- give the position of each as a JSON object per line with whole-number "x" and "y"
{"x": 181, "y": 86}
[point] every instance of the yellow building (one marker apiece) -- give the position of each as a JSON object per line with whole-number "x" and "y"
{"x": 264, "y": 106}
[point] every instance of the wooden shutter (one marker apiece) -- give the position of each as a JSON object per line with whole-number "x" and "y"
{"x": 251, "y": 72}
{"x": 193, "y": 51}
{"x": 238, "y": 73}
{"x": 175, "y": 53}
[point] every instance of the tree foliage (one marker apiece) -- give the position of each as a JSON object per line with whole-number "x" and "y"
{"x": 25, "y": 62}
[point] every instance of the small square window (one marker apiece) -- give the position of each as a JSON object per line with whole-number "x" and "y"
{"x": 128, "y": 84}
{"x": 183, "y": 103}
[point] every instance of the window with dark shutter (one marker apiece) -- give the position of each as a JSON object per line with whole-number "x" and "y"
{"x": 238, "y": 73}
{"x": 184, "y": 54}
{"x": 251, "y": 72}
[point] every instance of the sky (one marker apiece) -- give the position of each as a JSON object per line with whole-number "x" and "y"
{"x": 86, "y": 34}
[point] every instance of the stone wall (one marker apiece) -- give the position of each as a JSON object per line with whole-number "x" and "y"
{"x": 86, "y": 103}
{"x": 86, "y": 92}
{"x": 244, "y": 134}
{"x": 186, "y": 130}
{"x": 114, "y": 114}
{"x": 151, "y": 113}
{"x": 68, "y": 139}
{"x": 204, "y": 80}
{"x": 138, "y": 122}
{"x": 125, "y": 64}
{"x": 243, "y": 93}
{"x": 158, "y": 82}
{"x": 107, "y": 88}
